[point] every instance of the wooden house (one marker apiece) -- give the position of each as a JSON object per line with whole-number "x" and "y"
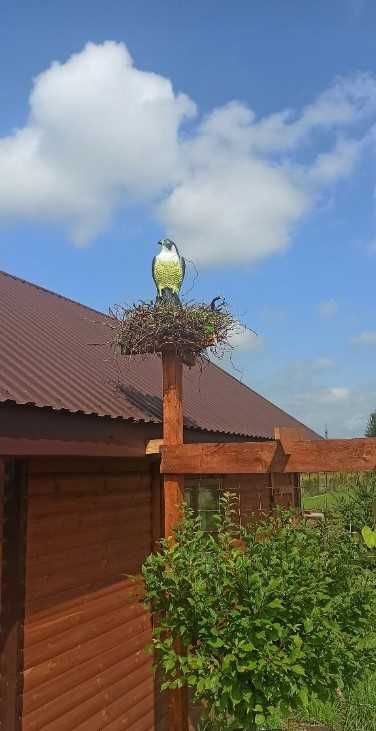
{"x": 81, "y": 507}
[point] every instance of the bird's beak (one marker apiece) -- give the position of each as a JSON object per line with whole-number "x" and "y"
{"x": 159, "y": 243}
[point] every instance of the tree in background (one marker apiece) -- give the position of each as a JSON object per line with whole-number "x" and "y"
{"x": 371, "y": 426}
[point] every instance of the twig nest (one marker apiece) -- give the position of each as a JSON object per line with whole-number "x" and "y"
{"x": 194, "y": 330}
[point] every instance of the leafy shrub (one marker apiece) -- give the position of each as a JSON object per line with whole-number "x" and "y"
{"x": 360, "y": 507}
{"x": 264, "y": 623}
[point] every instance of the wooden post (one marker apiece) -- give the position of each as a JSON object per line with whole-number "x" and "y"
{"x": 172, "y": 435}
{"x": 173, "y": 490}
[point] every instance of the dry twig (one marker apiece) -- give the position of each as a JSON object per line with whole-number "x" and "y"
{"x": 195, "y": 330}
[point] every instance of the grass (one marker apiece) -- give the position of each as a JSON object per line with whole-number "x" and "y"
{"x": 357, "y": 713}
{"x": 325, "y": 500}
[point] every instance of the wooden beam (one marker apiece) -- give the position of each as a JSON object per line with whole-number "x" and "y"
{"x": 153, "y": 446}
{"x": 13, "y": 595}
{"x": 21, "y": 447}
{"x": 287, "y": 434}
{"x": 326, "y": 455}
{"x": 223, "y": 458}
{"x": 332, "y": 455}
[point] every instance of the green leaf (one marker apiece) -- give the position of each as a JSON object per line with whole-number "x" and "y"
{"x": 303, "y": 695}
{"x": 275, "y": 604}
{"x": 369, "y": 537}
{"x": 308, "y": 625}
{"x": 260, "y": 719}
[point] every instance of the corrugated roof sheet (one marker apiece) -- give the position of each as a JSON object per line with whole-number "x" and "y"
{"x": 53, "y": 353}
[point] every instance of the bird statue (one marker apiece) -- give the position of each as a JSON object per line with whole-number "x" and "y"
{"x": 168, "y": 270}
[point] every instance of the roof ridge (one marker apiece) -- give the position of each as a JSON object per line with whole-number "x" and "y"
{"x": 54, "y": 294}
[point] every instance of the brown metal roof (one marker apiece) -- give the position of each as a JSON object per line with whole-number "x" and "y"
{"x": 49, "y": 358}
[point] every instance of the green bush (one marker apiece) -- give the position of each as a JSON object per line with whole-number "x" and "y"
{"x": 359, "y": 509}
{"x": 264, "y": 625}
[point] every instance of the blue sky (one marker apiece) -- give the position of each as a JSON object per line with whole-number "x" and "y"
{"x": 245, "y": 130}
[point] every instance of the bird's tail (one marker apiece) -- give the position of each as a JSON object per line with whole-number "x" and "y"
{"x": 170, "y": 297}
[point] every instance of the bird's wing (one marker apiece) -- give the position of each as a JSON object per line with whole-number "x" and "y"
{"x": 153, "y": 270}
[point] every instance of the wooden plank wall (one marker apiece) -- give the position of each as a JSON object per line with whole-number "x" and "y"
{"x": 90, "y": 524}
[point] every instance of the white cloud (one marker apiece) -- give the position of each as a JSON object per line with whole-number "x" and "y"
{"x": 345, "y": 103}
{"x": 336, "y": 393}
{"x": 339, "y": 162}
{"x": 328, "y": 308}
{"x": 245, "y": 340}
{"x": 367, "y": 337}
{"x": 233, "y": 210}
{"x": 102, "y": 134}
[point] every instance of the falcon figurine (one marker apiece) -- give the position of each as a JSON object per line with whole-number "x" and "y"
{"x": 168, "y": 270}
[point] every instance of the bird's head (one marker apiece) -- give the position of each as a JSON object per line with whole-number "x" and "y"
{"x": 167, "y": 244}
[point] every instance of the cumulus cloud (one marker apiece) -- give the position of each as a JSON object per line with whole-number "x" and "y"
{"x": 367, "y": 337}
{"x": 223, "y": 212}
{"x": 102, "y": 134}
{"x": 328, "y": 308}
{"x": 339, "y": 162}
{"x": 246, "y": 340}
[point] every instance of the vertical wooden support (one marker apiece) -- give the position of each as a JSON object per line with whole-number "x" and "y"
{"x": 286, "y": 434}
{"x": 156, "y": 505}
{"x": 13, "y": 594}
{"x": 172, "y": 435}
{"x": 173, "y": 491}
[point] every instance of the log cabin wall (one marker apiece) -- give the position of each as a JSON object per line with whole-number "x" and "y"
{"x": 77, "y": 528}
{"x": 85, "y": 667}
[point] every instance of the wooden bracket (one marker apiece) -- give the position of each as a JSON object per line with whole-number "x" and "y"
{"x": 153, "y": 446}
